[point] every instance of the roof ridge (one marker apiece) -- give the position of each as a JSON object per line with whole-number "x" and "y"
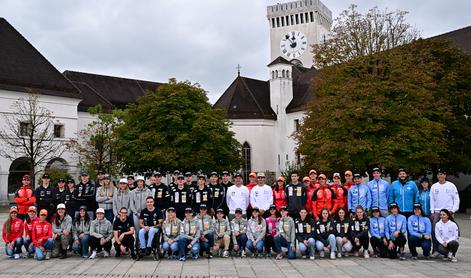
{"x": 95, "y": 91}
{"x": 252, "y": 95}
{"x": 111, "y": 76}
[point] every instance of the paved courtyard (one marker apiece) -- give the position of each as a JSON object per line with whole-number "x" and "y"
{"x": 247, "y": 267}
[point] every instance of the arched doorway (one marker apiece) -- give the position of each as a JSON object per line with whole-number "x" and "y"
{"x": 246, "y": 161}
{"x": 57, "y": 163}
{"x": 18, "y": 168}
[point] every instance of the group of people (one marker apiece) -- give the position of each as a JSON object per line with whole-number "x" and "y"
{"x": 190, "y": 218}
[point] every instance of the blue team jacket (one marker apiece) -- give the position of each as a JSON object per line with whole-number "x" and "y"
{"x": 379, "y": 193}
{"x": 377, "y": 227}
{"x": 395, "y": 223}
{"x": 419, "y": 226}
{"x": 405, "y": 196}
{"x": 424, "y": 199}
{"x": 359, "y": 194}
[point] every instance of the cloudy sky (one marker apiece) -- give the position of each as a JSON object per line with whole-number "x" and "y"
{"x": 201, "y": 41}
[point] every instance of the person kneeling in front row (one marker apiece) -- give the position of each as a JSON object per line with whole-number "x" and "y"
{"x": 420, "y": 232}
{"x": 123, "y": 231}
{"x": 285, "y": 235}
{"x": 447, "y": 235}
{"x": 189, "y": 236}
{"x": 101, "y": 233}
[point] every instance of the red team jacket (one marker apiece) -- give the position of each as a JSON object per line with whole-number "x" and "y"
{"x": 24, "y": 198}
{"x": 41, "y": 232}
{"x": 322, "y": 198}
{"x": 279, "y": 198}
{"x": 16, "y": 231}
{"x": 29, "y": 227}
{"x": 341, "y": 193}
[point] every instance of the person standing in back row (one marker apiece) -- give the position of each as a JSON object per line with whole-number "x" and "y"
{"x": 261, "y": 196}
{"x": 296, "y": 195}
{"x": 379, "y": 189}
{"x": 404, "y": 193}
{"x": 45, "y": 196}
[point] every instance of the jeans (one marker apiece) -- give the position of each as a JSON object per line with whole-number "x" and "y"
{"x": 207, "y": 245}
{"x": 311, "y": 245}
{"x": 29, "y": 246}
{"x": 170, "y": 248}
{"x": 82, "y": 246}
{"x": 257, "y": 249}
{"x": 415, "y": 242}
{"x": 48, "y": 245}
{"x": 332, "y": 242}
{"x": 451, "y": 247}
{"x": 241, "y": 241}
{"x": 182, "y": 247}
{"x": 282, "y": 242}
{"x": 16, "y": 249}
{"x": 150, "y": 237}
{"x": 109, "y": 215}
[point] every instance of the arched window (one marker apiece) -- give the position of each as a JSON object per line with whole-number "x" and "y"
{"x": 18, "y": 168}
{"x": 287, "y": 73}
{"x": 246, "y": 161}
{"x": 283, "y": 73}
{"x": 272, "y": 75}
{"x": 276, "y": 73}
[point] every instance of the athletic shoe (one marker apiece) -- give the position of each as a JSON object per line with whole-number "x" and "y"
{"x": 16, "y": 256}
{"x": 209, "y": 255}
{"x": 182, "y": 259}
{"x": 312, "y": 258}
{"x": 195, "y": 257}
{"x": 322, "y": 254}
{"x": 346, "y": 254}
{"x": 242, "y": 254}
{"x": 339, "y": 255}
{"x": 356, "y": 254}
{"x": 106, "y": 254}
{"x": 332, "y": 255}
{"x": 93, "y": 255}
{"x": 435, "y": 254}
{"x": 279, "y": 256}
{"x": 268, "y": 255}
{"x": 48, "y": 255}
{"x": 402, "y": 257}
{"x": 304, "y": 257}
{"x": 225, "y": 254}
{"x": 454, "y": 259}
{"x": 366, "y": 254}
{"x": 414, "y": 258}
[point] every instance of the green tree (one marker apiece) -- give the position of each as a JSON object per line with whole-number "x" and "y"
{"x": 96, "y": 144}
{"x": 355, "y": 35}
{"x": 406, "y": 107}
{"x": 175, "y": 127}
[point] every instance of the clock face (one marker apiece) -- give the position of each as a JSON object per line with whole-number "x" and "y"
{"x": 293, "y": 44}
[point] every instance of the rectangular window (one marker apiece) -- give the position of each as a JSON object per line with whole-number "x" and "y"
{"x": 273, "y": 23}
{"x": 301, "y": 16}
{"x": 296, "y": 125}
{"x": 292, "y": 19}
{"x": 312, "y": 16}
{"x": 297, "y": 18}
{"x": 277, "y": 22}
{"x": 25, "y": 128}
{"x": 282, "y": 21}
{"x": 306, "y": 16}
{"x": 287, "y": 20}
{"x": 58, "y": 131}
{"x": 279, "y": 159}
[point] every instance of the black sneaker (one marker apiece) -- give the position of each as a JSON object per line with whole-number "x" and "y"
{"x": 209, "y": 255}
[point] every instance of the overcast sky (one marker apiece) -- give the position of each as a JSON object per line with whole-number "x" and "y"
{"x": 201, "y": 41}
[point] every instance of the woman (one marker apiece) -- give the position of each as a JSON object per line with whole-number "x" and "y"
{"x": 171, "y": 232}
{"x": 13, "y": 234}
{"x": 325, "y": 236}
{"x": 305, "y": 233}
{"x": 310, "y": 188}
{"x": 271, "y": 230}
{"x": 61, "y": 232}
{"x": 279, "y": 197}
{"x": 256, "y": 229}
{"x": 447, "y": 234}
{"x": 424, "y": 196}
{"x": 342, "y": 233}
{"x": 285, "y": 235}
{"x": 122, "y": 197}
{"x": 29, "y": 221}
{"x": 69, "y": 200}
{"x": 101, "y": 233}
{"x": 222, "y": 233}
{"x": 104, "y": 197}
{"x": 81, "y": 233}
{"x": 42, "y": 237}
{"x": 239, "y": 233}
{"x": 378, "y": 240}
{"x": 189, "y": 236}
{"x": 359, "y": 232}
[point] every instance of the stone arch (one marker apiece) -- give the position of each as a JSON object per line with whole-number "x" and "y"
{"x": 18, "y": 168}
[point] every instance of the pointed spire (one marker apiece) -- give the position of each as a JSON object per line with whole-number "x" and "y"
{"x": 238, "y": 69}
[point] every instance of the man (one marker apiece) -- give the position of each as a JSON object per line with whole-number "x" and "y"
{"x": 45, "y": 196}
{"x": 60, "y": 192}
{"x": 150, "y": 220}
{"x": 85, "y": 194}
{"x": 189, "y": 181}
{"x": 123, "y": 233}
{"x": 202, "y": 194}
{"x": 24, "y": 197}
{"x": 160, "y": 192}
{"x": 174, "y": 179}
{"x": 131, "y": 183}
{"x": 443, "y": 195}
{"x": 189, "y": 236}
{"x": 296, "y": 195}
{"x": 348, "y": 175}
{"x": 396, "y": 226}
{"x": 180, "y": 197}
{"x": 261, "y": 196}
{"x": 139, "y": 200}
{"x": 420, "y": 232}
{"x": 100, "y": 178}
{"x": 322, "y": 198}
{"x": 404, "y": 192}
{"x": 238, "y": 196}
{"x": 226, "y": 183}
{"x": 358, "y": 195}
{"x": 219, "y": 197}
{"x": 379, "y": 189}
{"x": 207, "y": 232}
{"x": 69, "y": 200}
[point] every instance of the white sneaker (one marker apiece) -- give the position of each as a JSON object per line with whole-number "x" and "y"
{"x": 106, "y": 254}
{"x": 48, "y": 255}
{"x": 16, "y": 256}
{"x": 93, "y": 255}
{"x": 332, "y": 255}
{"x": 242, "y": 254}
{"x": 366, "y": 254}
{"x": 339, "y": 255}
{"x": 304, "y": 257}
{"x": 225, "y": 254}
{"x": 322, "y": 254}
{"x": 435, "y": 254}
{"x": 312, "y": 258}
{"x": 454, "y": 259}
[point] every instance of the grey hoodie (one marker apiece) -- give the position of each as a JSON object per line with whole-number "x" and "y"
{"x": 221, "y": 228}
{"x": 255, "y": 231}
{"x": 206, "y": 224}
{"x": 190, "y": 229}
{"x": 238, "y": 225}
{"x": 81, "y": 227}
{"x": 171, "y": 230}
{"x": 65, "y": 224}
{"x": 101, "y": 229}
{"x": 138, "y": 199}
{"x": 285, "y": 228}
{"x": 121, "y": 199}
{"x": 105, "y": 201}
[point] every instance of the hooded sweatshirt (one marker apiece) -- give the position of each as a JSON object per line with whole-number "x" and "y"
{"x": 101, "y": 229}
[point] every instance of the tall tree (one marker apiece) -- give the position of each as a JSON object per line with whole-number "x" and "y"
{"x": 29, "y": 132}
{"x": 96, "y": 144}
{"x": 406, "y": 107}
{"x": 355, "y": 35}
{"x": 175, "y": 127}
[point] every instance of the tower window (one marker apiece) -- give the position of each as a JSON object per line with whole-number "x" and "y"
{"x": 277, "y": 22}
{"x": 283, "y": 73}
{"x": 306, "y": 17}
{"x": 246, "y": 160}
{"x": 292, "y": 20}
{"x": 25, "y": 128}
{"x": 297, "y": 18}
{"x": 302, "y": 18}
{"x": 296, "y": 125}
{"x": 58, "y": 131}
{"x": 282, "y": 21}
{"x": 273, "y": 23}
{"x": 279, "y": 160}
{"x": 287, "y": 20}
{"x": 312, "y": 16}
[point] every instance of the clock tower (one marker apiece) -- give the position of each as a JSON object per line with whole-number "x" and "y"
{"x": 295, "y": 27}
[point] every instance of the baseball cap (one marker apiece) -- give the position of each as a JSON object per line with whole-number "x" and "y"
{"x": 32, "y": 208}
{"x": 417, "y": 205}
{"x": 225, "y": 173}
{"x": 157, "y": 174}
{"x": 14, "y": 209}
{"x": 84, "y": 174}
{"x": 203, "y": 206}
{"x": 140, "y": 178}
{"x": 401, "y": 170}
{"x": 188, "y": 174}
{"x": 356, "y": 175}
{"x": 238, "y": 210}
{"x": 43, "y": 212}
{"x": 374, "y": 209}
{"x": 130, "y": 177}
{"x": 123, "y": 180}
{"x": 219, "y": 210}
{"x": 189, "y": 210}
{"x": 393, "y": 204}
{"x": 260, "y": 175}
{"x": 252, "y": 174}
{"x": 100, "y": 210}
{"x": 280, "y": 179}
{"x": 283, "y": 208}
{"x": 170, "y": 209}
{"x": 376, "y": 169}
{"x": 61, "y": 206}
{"x": 322, "y": 176}
{"x": 107, "y": 177}
{"x": 46, "y": 176}
{"x": 336, "y": 175}
{"x": 100, "y": 172}
{"x": 348, "y": 173}
{"x": 214, "y": 174}
{"x": 71, "y": 181}
{"x": 83, "y": 208}
{"x": 61, "y": 180}
{"x": 238, "y": 174}
{"x": 201, "y": 176}
{"x": 272, "y": 207}
{"x": 312, "y": 171}
{"x": 180, "y": 177}
{"x": 176, "y": 172}
{"x": 442, "y": 171}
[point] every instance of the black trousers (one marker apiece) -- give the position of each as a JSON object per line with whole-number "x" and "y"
{"x": 128, "y": 242}
{"x": 451, "y": 247}
{"x": 269, "y": 244}
{"x": 399, "y": 242}
{"x": 379, "y": 247}
{"x": 364, "y": 242}
{"x": 96, "y": 246}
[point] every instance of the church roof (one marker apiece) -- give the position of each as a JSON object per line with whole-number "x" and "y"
{"x": 303, "y": 91}
{"x": 247, "y": 98}
{"x": 23, "y": 68}
{"x": 279, "y": 60}
{"x": 460, "y": 38}
{"x": 109, "y": 90}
